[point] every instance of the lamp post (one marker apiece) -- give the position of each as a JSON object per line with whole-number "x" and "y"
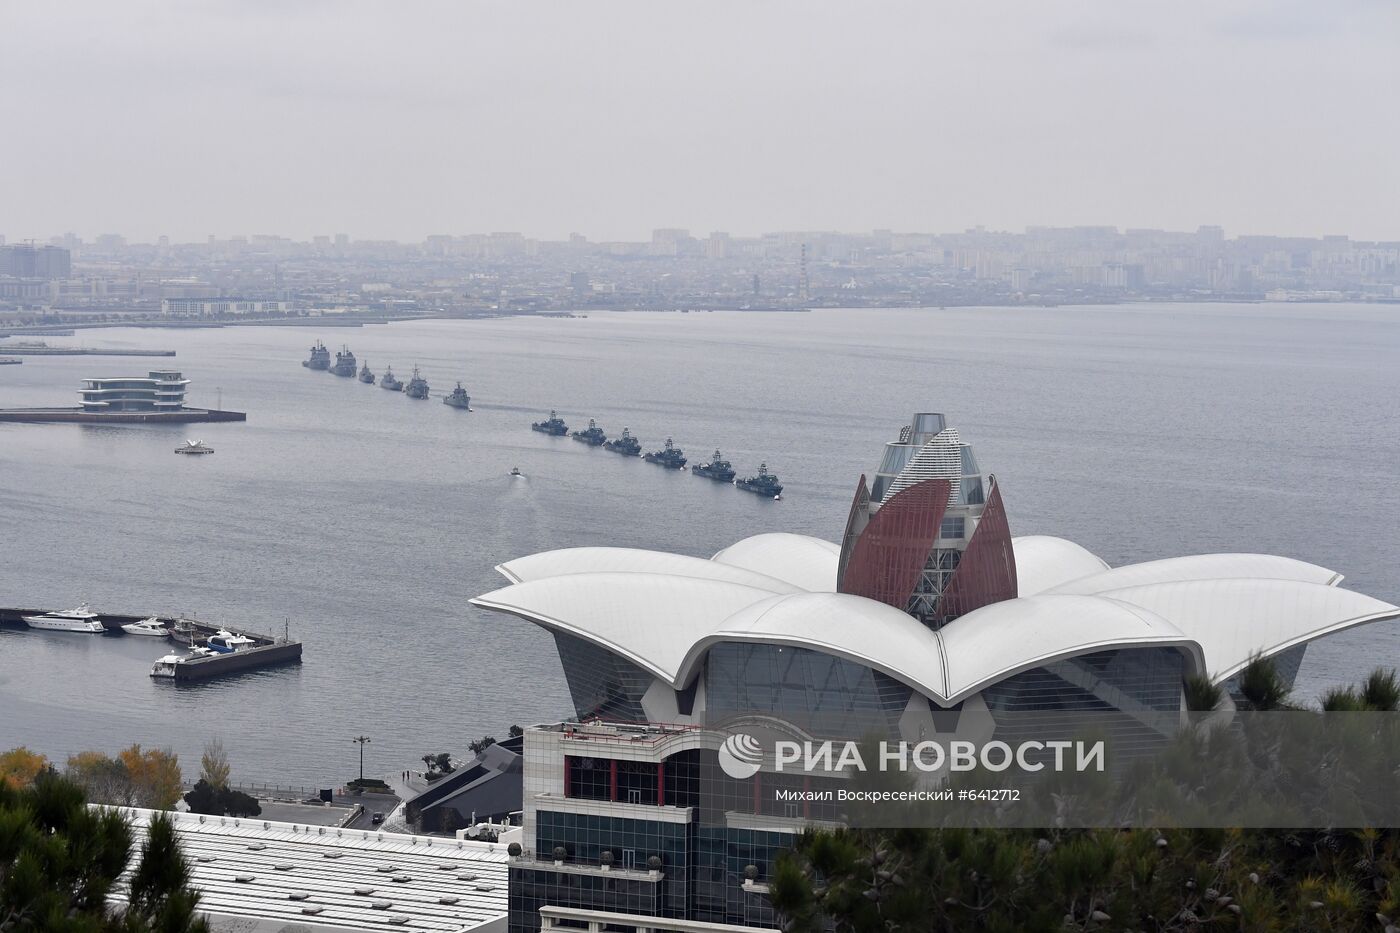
{"x": 361, "y": 740}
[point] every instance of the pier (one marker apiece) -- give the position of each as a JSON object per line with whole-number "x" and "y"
{"x": 268, "y": 651}
{"x": 80, "y": 416}
{"x": 81, "y": 351}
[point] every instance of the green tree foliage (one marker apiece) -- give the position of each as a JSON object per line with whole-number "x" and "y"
{"x": 1262, "y": 687}
{"x": 1005, "y": 880}
{"x": 221, "y": 801}
{"x": 1022, "y": 880}
{"x": 60, "y": 861}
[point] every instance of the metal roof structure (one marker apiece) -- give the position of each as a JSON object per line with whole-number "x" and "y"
{"x": 802, "y": 560}
{"x": 1044, "y": 561}
{"x": 337, "y": 879}
{"x": 1219, "y": 610}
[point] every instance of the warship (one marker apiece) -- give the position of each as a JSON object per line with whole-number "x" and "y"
{"x": 458, "y": 398}
{"x": 417, "y": 386}
{"x": 717, "y": 469}
{"x": 554, "y": 427}
{"x": 765, "y": 483}
{"x": 627, "y": 445}
{"x": 592, "y": 435}
{"x": 669, "y": 456}
{"x": 320, "y": 357}
{"x": 344, "y": 362}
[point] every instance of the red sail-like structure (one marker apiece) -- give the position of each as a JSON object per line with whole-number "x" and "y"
{"x": 986, "y": 572}
{"x": 889, "y": 556}
{"x": 856, "y": 521}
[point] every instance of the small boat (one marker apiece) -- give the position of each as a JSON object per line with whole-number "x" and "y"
{"x": 225, "y": 642}
{"x": 194, "y": 447}
{"x": 366, "y": 376}
{"x": 151, "y": 627}
{"x": 390, "y": 381}
{"x": 515, "y": 471}
{"x": 81, "y": 619}
{"x": 166, "y": 664}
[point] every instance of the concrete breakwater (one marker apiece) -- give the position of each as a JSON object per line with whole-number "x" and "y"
{"x": 80, "y": 416}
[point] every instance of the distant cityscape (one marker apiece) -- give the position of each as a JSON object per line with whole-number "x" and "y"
{"x": 69, "y": 280}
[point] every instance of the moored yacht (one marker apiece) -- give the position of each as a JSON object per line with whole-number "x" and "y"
{"x": 151, "y": 627}
{"x": 225, "y": 642}
{"x": 81, "y": 619}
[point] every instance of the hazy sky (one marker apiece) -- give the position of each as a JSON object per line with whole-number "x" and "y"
{"x": 400, "y": 119}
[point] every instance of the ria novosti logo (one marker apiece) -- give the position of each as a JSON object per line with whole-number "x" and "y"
{"x": 740, "y": 756}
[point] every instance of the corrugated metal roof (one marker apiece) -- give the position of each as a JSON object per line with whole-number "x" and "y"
{"x": 353, "y": 879}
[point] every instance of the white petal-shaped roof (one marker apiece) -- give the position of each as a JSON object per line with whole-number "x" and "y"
{"x": 649, "y": 618}
{"x": 634, "y": 560}
{"x": 1200, "y": 567}
{"x": 1043, "y": 561}
{"x": 998, "y": 641}
{"x": 801, "y": 560}
{"x": 664, "y": 611}
{"x": 852, "y": 627}
{"x": 1235, "y": 619}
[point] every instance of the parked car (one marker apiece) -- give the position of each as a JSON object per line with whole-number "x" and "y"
{"x": 377, "y": 818}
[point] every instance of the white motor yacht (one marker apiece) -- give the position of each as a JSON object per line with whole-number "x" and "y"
{"x": 165, "y": 666}
{"x": 226, "y": 642}
{"x": 151, "y": 627}
{"x": 81, "y": 619}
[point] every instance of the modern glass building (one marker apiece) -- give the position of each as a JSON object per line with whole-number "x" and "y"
{"x": 159, "y": 390}
{"x": 928, "y": 621}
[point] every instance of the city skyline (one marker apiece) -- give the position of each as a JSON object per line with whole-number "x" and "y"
{"x": 156, "y": 119}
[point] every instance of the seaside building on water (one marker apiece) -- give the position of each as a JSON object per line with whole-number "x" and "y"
{"x": 158, "y": 390}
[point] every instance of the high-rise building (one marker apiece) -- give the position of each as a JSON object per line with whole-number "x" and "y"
{"x": 659, "y": 805}
{"x": 24, "y": 261}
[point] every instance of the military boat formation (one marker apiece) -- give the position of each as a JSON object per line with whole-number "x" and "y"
{"x": 717, "y": 468}
{"x": 416, "y": 387}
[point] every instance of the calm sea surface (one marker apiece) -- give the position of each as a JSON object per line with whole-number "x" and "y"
{"x": 369, "y": 519}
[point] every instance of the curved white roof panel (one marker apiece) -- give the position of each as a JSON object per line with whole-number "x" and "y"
{"x": 852, "y": 627}
{"x": 664, "y": 611}
{"x": 634, "y": 560}
{"x": 1236, "y": 619}
{"x": 801, "y": 560}
{"x": 1200, "y": 567}
{"x": 649, "y": 618}
{"x": 1043, "y": 561}
{"x": 998, "y": 641}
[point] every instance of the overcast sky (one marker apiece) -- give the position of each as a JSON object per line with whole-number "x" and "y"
{"x": 401, "y": 119}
